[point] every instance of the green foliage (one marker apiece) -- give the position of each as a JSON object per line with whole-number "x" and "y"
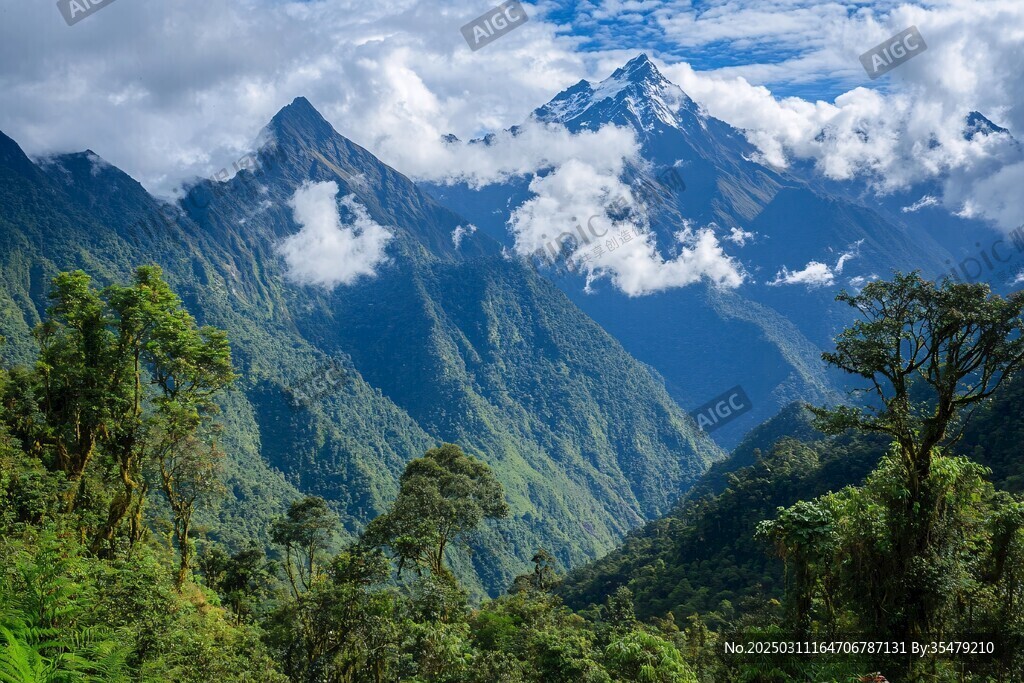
{"x": 646, "y": 658}
{"x": 305, "y": 533}
{"x": 122, "y": 401}
{"x": 125, "y": 381}
{"x": 952, "y": 344}
{"x": 544, "y": 576}
{"x": 916, "y": 542}
{"x": 45, "y": 622}
{"x": 704, "y": 557}
{"x": 119, "y": 402}
{"x": 443, "y": 496}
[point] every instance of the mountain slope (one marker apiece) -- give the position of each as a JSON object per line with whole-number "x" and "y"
{"x": 704, "y": 556}
{"x": 446, "y": 342}
{"x": 705, "y": 552}
{"x": 785, "y": 223}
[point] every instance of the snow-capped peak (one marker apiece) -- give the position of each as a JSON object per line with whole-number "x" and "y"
{"x": 636, "y": 93}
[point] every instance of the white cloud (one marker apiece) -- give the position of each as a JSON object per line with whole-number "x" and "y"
{"x": 96, "y": 164}
{"x": 906, "y": 128}
{"x": 178, "y": 90}
{"x": 927, "y": 200}
{"x": 853, "y": 251}
{"x": 859, "y": 281}
{"x": 739, "y": 236}
{"x": 396, "y": 75}
{"x": 814, "y": 274}
{"x": 535, "y": 146}
{"x": 460, "y": 232}
{"x": 567, "y": 218}
{"x": 326, "y": 252}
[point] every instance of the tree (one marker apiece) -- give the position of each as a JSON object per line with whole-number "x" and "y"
{"x": 442, "y": 497}
{"x": 342, "y": 628}
{"x": 189, "y": 473}
{"x": 79, "y": 373}
{"x": 930, "y": 355}
{"x": 618, "y": 611}
{"x": 543, "y": 578}
{"x": 305, "y": 533}
{"x": 243, "y": 579}
{"x": 128, "y": 373}
{"x": 954, "y": 344}
{"x": 188, "y": 365}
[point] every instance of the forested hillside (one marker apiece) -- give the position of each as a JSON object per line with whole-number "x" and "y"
{"x": 705, "y": 557}
{"x": 448, "y": 341}
{"x": 798, "y": 526}
{"x": 111, "y": 453}
{"x": 110, "y": 450}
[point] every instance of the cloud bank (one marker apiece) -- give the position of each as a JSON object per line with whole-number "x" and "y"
{"x": 326, "y": 252}
{"x": 169, "y": 91}
{"x": 577, "y": 194}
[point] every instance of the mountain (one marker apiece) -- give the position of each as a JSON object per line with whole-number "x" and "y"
{"x": 703, "y": 557}
{"x": 447, "y": 340}
{"x": 766, "y": 335}
{"x": 975, "y": 124}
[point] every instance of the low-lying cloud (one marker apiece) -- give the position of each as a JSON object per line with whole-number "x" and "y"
{"x": 401, "y": 76}
{"x": 817, "y": 274}
{"x": 327, "y": 252}
{"x": 623, "y": 250}
{"x": 912, "y": 128}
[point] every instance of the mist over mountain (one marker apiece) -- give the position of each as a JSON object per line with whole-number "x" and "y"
{"x": 795, "y": 240}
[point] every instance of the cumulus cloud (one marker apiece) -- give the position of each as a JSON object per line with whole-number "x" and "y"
{"x": 814, "y": 274}
{"x": 396, "y": 75}
{"x": 533, "y": 147}
{"x": 739, "y": 236}
{"x": 325, "y": 251}
{"x": 905, "y": 129}
{"x": 167, "y": 100}
{"x": 568, "y": 217}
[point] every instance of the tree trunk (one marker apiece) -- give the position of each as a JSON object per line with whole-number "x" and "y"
{"x": 182, "y": 531}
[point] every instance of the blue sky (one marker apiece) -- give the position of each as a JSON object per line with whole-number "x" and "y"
{"x": 730, "y": 36}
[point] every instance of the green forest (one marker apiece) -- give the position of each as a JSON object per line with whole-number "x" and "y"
{"x": 894, "y": 518}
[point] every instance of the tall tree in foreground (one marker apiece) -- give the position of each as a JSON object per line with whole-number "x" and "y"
{"x": 929, "y": 353}
{"x": 126, "y": 381}
{"x": 443, "y": 496}
{"x": 902, "y": 554}
{"x": 81, "y": 378}
{"x": 185, "y": 366}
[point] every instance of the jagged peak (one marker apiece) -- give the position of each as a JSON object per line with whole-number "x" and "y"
{"x": 976, "y": 123}
{"x": 637, "y": 86}
{"x": 300, "y": 120}
{"x": 639, "y": 69}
